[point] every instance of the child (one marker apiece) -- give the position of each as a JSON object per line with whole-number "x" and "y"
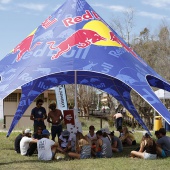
{"x": 83, "y": 147}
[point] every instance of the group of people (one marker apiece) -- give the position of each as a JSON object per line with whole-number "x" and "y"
{"x": 100, "y": 144}
{"x": 55, "y": 117}
{"x": 93, "y": 144}
{"x": 151, "y": 149}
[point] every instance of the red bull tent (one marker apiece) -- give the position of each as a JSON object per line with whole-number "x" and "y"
{"x": 76, "y": 38}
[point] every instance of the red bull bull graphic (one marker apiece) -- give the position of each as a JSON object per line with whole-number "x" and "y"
{"x": 81, "y": 38}
{"x": 25, "y": 46}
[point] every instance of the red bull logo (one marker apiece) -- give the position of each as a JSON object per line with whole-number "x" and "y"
{"x": 128, "y": 49}
{"x": 25, "y": 46}
{"x": 93, "y": 32}
{"x": 81, "y": 38}
{"x": 87, "y": 16}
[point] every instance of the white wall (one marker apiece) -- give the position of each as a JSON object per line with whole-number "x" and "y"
{"x": 1, "y": 109}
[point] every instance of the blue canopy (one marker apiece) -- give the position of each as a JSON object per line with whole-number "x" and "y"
{"x": 76, "y": 38}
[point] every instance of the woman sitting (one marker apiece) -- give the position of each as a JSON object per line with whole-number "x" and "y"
{"x": 83, "y": 147}
{"x": 103, "y": 145}
{"x": 147, "y": 148}
{"x": 65, "y": 141}
{"x": 127, "y": 137}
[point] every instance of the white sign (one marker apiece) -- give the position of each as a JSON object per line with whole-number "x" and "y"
{"x": 61, "y": 97}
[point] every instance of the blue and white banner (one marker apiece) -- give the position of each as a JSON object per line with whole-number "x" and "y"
{"x": 61, "y": 97}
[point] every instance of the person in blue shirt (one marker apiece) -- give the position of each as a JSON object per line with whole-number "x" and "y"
{"x": 38, "y": 115}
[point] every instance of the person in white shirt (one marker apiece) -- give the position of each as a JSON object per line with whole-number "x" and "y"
{"x": 92, "y": 135}
{"x": 93, "y": 139}
{"x": 27, "y": 144}
{"x": 46, "y": 147}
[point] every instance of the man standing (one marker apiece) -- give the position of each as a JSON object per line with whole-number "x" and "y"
{"x": 55, "y": 117}
{"x": 47, "y": 148}
{"x": 163, "y": 144}
{"x": 119, "y": 119}
{"x": 38, "y": 115}
{"x": 27, "y": 144}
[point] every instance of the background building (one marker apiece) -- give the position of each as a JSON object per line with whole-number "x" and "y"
{"x": 9, "y": 106}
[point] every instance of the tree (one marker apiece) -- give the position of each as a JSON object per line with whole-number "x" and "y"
{"x": 124, "y": 26}
{"x": 153, "y": 48}
{"x": 86, "y": 97}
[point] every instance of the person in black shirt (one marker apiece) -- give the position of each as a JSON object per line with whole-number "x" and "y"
{"x": 147, "y": 148}
{"x": 17, "y": 142}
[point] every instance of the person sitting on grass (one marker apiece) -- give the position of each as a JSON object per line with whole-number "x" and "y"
{"x": 65, "y": 141}
{"x": 38, "y": 134}
{"x": 147, "y": 148}
{"x": 93, "y": 138}
{"x": 163, "y": 144}
{"x": 116, "y": 143}
{"x": 46, "y": 147}
{"x": 92, "y": 135}
{"x": 103, "y": 145}
{"x": 83, "y": 147}
{"x": 27, "y": 144}
{"x": 17, "y": 142}
{"x": 127, "y": 137}
{"x": 157, "y": 134}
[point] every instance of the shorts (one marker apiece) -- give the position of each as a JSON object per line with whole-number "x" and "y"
{"x": 120, "y": 149}
{"x": 149, "y": 156}
{"x": 56, "y": 130}
{"x": 99, "y": 155}
{"x": 53, "y": 154}
{"x": 163, "y": 154}
{"x": 82, "y": 156}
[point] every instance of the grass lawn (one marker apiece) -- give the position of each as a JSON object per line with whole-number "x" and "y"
{"x": 10, "y": 160}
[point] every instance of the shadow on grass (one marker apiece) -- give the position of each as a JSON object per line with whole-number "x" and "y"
{"x": 29, "y": 161}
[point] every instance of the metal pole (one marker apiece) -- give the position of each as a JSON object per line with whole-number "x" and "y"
{"x": 75, "y": 96}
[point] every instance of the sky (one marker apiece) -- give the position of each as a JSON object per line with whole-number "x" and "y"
{"x": 20, "y": 17}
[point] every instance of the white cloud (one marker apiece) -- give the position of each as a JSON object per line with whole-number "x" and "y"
{"x": 152, "y": 15}
{"x": 116, "y": 8}
{"x": 32, "y": 6}
{"x": 5, "y": 1}
{"x": 158, "y": 3}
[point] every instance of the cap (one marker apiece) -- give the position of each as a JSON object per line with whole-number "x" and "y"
{"x": 45, "y": 132}
{"x": 65, "y": 133}
{"x": 106, "y": 130}
{"x": 27, "y": 131}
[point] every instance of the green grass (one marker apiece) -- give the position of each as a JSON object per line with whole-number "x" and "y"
{"x": 9, "y": 160}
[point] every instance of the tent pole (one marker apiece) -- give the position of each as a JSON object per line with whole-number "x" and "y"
{"x": 75, "y": 96}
